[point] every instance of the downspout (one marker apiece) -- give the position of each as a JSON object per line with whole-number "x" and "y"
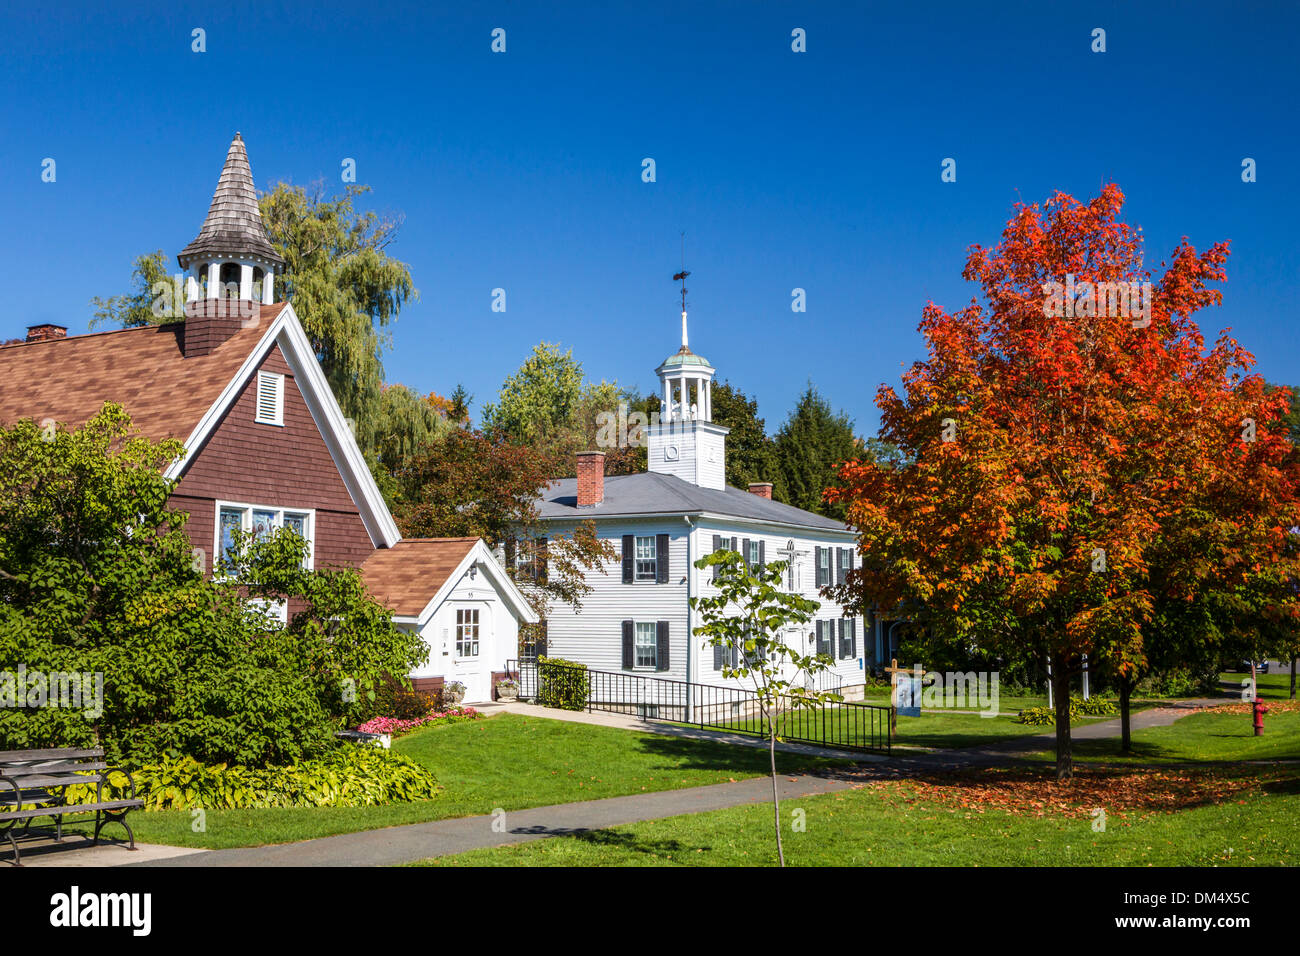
{"x": 690, "y": 633}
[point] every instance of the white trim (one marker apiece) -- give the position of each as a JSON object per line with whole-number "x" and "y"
{"x": 807, "y": 531}
{"x": 287, "y": 331}
{"x": 479, "y": 555}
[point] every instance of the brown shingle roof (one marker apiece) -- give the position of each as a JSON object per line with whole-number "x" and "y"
{"x": 406, "y": 576}
{"x": 142, "y": 369}
{"x": 234, "y": 224}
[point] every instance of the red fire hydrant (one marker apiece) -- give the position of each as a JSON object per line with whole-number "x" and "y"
{"x": 1260, "y": 711}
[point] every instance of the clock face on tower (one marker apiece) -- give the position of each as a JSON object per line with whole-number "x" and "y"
{"x": 670, "y": 453}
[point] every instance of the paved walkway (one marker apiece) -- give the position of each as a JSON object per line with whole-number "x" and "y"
{"x": 418, "y": 841}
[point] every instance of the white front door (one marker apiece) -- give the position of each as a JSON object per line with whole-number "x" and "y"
{"x": 471, "y": 647}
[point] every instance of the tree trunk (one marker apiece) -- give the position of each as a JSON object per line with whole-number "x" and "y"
{"x": 1061, "y": 691}
{"x": 1125, "y": 738}
{"x": 776, "y": 800}
{"x": 1293, "y": 660}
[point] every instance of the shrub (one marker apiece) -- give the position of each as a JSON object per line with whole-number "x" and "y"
{"x": 397, "y": 699}
{"x": 348, "y": 776}
{"x": 562, "y": 684}
{"x": 1179, "y": 683}
{"x": 1092, "y": 707}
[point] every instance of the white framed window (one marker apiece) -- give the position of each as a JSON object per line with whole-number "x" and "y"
{"x": 647, "y": 558}
{"x": 270, "y": 398}
{"x": 647, "y": 644}
{"x": 752, "y": 557}
{"x": 258, "y": 520}
{"x": 467, "y": 644}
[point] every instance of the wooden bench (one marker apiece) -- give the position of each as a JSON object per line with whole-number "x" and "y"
{"x": 38, "y": 780}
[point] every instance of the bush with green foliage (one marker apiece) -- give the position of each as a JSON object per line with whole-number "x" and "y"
{"x": 349, "y": 775}
{"x": 97, "y": 576}
{"x": 1179, "y": 683}
{"x": 1095, "y": 706}
{"x": 562, "y": 684}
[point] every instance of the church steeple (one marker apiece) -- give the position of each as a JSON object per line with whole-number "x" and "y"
{"x": 232, "y": 256}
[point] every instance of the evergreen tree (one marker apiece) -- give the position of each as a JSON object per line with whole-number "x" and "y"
{"x": 808, "y": 450}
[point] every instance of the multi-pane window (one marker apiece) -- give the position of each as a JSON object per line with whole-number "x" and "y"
{"x": 467, "y": 632}
{"x": 647, "y": 557}
{"x": 257, "y": 521}
{"x": 823, "y": 565}
{"x": 647, "y": 644}
{"x": 752, "y": 557}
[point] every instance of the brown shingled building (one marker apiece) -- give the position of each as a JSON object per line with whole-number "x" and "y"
{"x": 266, "y": 444}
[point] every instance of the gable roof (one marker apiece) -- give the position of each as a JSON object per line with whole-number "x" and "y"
{"x": 233, "y": 226}
{"x": 144, "y": 369}
{"x": 651, "y": 493}
{"x": 414, "y": 576}
{"x": 169, "y": 395}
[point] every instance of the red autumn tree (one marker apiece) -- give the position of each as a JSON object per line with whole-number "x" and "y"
{"x": 1061, "y": 435}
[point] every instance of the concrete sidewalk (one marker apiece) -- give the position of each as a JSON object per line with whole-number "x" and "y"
{"x": 419, "y": 841}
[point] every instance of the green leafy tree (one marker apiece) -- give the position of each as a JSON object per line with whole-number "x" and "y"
{"x": 98, "y": 577}
{"x": 345, "y": 287}
{"x": 538, "y": 403}
{"x": 809, "y": 449}
{"x": 746, "y": 618}
{"x": 156, "y": 297}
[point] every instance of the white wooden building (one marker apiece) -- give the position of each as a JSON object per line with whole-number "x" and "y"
{"x": 638, "y": 617}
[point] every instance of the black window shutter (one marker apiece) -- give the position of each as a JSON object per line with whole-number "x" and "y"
{"x": 718, "y": 656}
{"x": 853, "y": 628}
{"x": 845, "y": 623}
{"x": 744, "y": 552}
{"x": 717, "y": 546}
{"x": 629, "y": 648}
{"x": 735, "y": 544}
{"x": 819, "y": 637}
{"x": 541, "y": 560}
{"x": 661, "y": 559}
{"x": 839, "y": 565}
{"x": 661, "y": 646}
{"x": 629, "y": 555}
{"x": 762, "y": 555}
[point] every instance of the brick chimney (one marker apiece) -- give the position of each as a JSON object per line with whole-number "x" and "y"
{"x": 209, "y": 322}
{"x": 591, "y": 478}
{"x": 761, "y": 488}
{"x": 46, "y": 331}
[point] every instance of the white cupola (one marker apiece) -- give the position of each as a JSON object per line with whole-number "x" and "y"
{"x": 685, "y": 442}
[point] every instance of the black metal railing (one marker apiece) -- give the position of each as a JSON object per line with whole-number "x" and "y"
{"x": 847, "y": 725}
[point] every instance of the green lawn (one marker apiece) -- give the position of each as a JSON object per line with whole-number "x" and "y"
{"x": 506, "y": 761}
{"x": 1202, "y": 737}
{"x": 1268, "y": 686}
{"x": 893, "y": 827}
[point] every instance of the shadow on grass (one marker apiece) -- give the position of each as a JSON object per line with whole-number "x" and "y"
{"x": 610, "y": 839}
{"x": 687, "y": 753}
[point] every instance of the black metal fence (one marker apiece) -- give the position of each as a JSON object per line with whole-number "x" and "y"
{"x": 847, "y": 725}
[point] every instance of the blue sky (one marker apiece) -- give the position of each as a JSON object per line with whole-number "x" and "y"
{"x": 522, "y": 170}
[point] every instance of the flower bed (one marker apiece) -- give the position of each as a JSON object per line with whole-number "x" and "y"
{"x": 398, "y": 727}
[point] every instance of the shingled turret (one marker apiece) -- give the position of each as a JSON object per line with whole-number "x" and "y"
{"x": 232, "y": 256}
{"x": 231, "y": 265}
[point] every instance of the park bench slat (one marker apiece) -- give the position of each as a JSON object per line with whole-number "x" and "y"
{"x": 66, "y": 810}
{"x": 50, "y": 770}
{"x": 48, "y": 780}
{"x": 50, "y": 754}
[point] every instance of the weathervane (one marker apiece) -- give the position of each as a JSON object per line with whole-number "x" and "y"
{"x": 681, "y": 277}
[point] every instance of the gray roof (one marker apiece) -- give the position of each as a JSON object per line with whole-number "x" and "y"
{"x": 648, "y": 493}
{"x": 234, "y": 224}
